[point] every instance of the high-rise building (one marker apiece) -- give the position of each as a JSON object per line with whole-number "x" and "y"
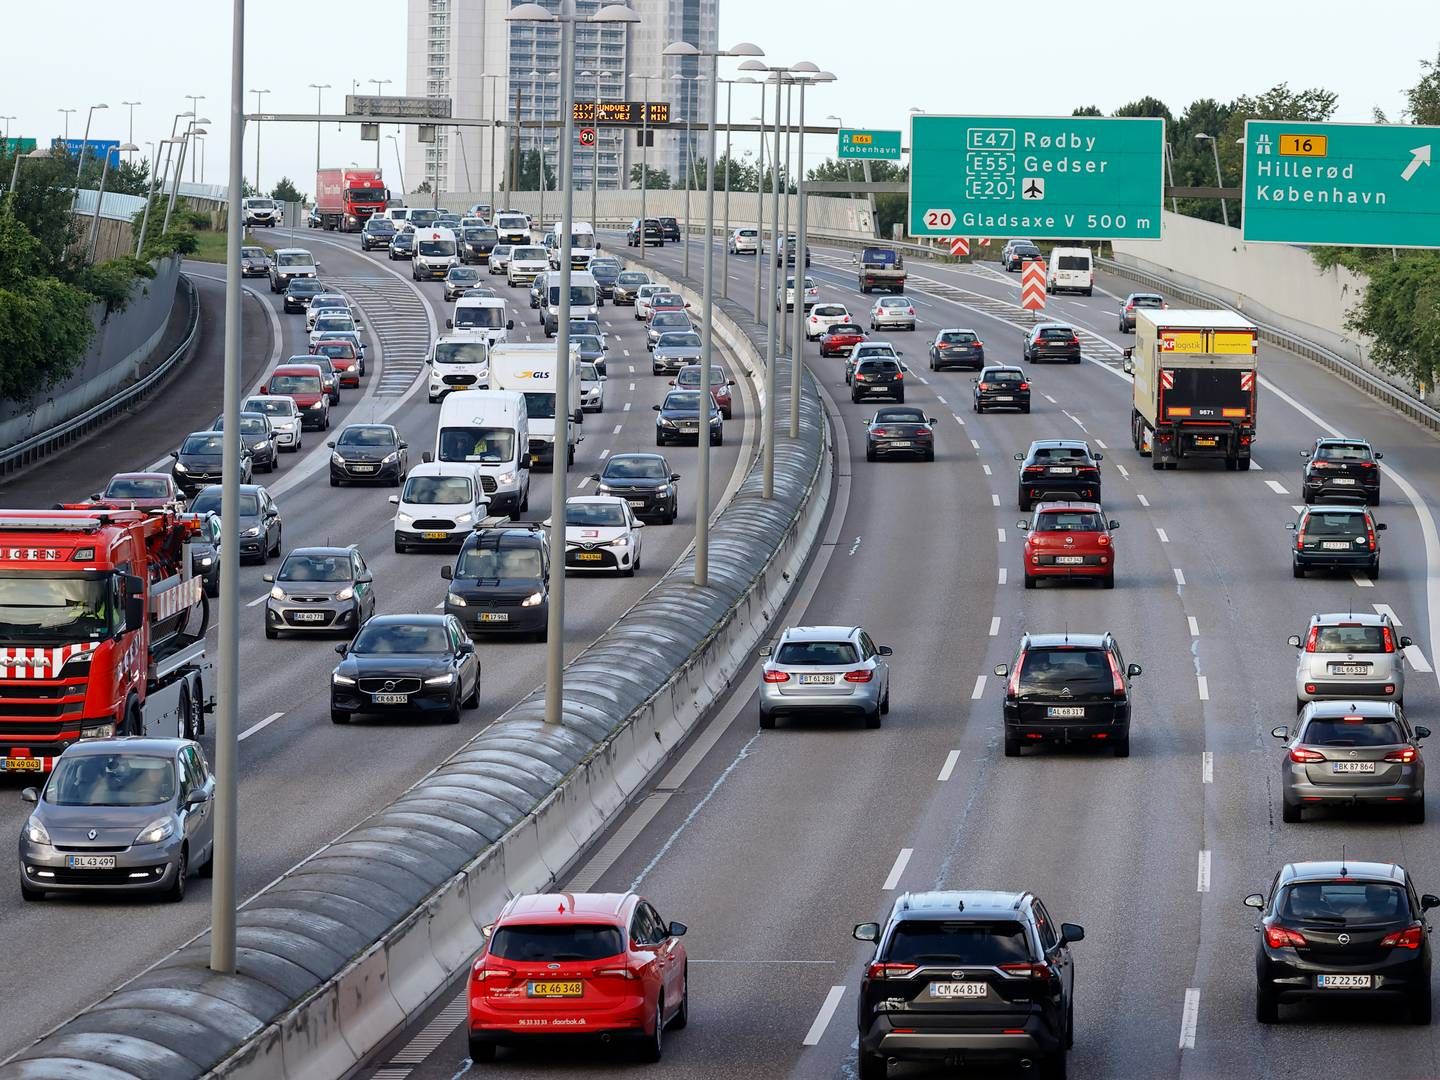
{"x": 467, "y": 51}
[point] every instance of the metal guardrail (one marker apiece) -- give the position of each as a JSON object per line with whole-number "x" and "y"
{"x": 44, "y": 443}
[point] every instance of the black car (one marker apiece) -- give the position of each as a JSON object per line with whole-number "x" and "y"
{"x": 1052, "y": 341}
{"x": 1001, "y": 388}
{"x": 645, "y": 482}
{"x": 679, "y": 419}
{"x": 1128, "y": 306}
{"x": 900, "y": 432}
{"x": 1067, "y": 688}
{"x": 878, "y": 376}
{"x": 260, "y": 527}
{"x": 500, "y": 582}
{"x": 972, "y": 978}
{"x": 1341, "y": 468}
{"x": 669, "y": 229}
{"x": 404, "y": 665}
{"x": 204, "y": 548}
{"x": 377, "y": 233}
{"x": 198, "y": 462}
{"x": 300, "y": 292}
{"x": 1016, "y": 252}
{"x": 257, "y": 435}
{"x": 952, "y": 348}
{"x": 592, "y": 350}
{"x": 1332, "y": 537}
{"x": 1059, "y": 469}
{"x": 366, "y": 452}
{"x": 476, "y": 243}
{"x": 627, "y": 284}
{"x": 606, "y": 272}
{"x": 655, "y": 235}
{"x": 319, "y": 590}
{"x": 1346, "y": 931}
{"x": 402, "y": 245}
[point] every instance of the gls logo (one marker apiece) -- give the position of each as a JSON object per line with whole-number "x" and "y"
{"x": 541, "y": 374}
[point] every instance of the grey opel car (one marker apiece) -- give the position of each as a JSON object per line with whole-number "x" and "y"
{"x": 123, "y": 813}
{"x": 1350, "y": 655}
{"x": 824, "y": 669}
{"x": 1352, "y": 753}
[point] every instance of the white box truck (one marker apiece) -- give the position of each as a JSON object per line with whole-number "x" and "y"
{"x": 490, "y": 431}
{"x": 531, "y": 369}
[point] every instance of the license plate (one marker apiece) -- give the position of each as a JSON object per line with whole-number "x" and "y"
{"x": 1349, "y": 669}
{"x": 951, "y": 990}
{"x": 494, "y": 616}
{"x": 1069, "y": 560}
{"x": 902, "y": 445}
{"x": 1004, "y": 397}
{"x": 1352, "y": 766}
{"x": 534, "y": 459}
{"x": 20, "y": 764}
{"x": 391, "y": 699}
{"x": 1345, "y": 982}
{"x": 589, "y": 556}
{"x": 434, "y": 536}
{"x": 573, "y": 989}
{"x": 308, "y": 616}
{"x": 636, "y": 502}
{"x": 1061, "y": 470}
{"x": 1065, "y": 712}
{"x": 817, "y": 680}
{"x": 1207, "y": 441}
{"x": 1335, "y": 545}
{"x": 362, "y": 468}
{"x": 90, "y": 862}
{"x": 1344, "y": 480}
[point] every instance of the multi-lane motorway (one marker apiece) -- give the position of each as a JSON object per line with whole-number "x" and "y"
{"x": 770, "y": 846}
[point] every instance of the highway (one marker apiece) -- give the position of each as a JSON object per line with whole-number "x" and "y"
{"x": 304, "y": 781}
{"x": 770, "y": 846}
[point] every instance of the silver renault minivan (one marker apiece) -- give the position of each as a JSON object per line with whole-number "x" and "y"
{"x": 824, "y": 669}
{"x": 1352, "y": 656}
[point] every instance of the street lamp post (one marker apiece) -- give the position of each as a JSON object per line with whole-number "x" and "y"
{"x": 378, "y": 84}
{"x": 534, "y": 94}
{"x": 464, "y": 157}
{"x": 156, "y": 177}
{"x": 127, "y": 148}
{"x": 259, "y": 107}
{"x": 555, "y": 631}
{"x": 494, "y": 91}
{"x": 67, "y": 113}
{"x": 194, "y": 99}
{"x": 399, "y": 165}
{"x": 319, "y": 89}
{"x": 644, "y": 156}
{"x": 130, "y": 135}
{"x": 760, "y": 208}
{"x": 687, "y": 80}
{"x": 84, "y": 142}
{"x": 804, "y": 73}
{"x": 725, "y": 228}
{"x": 191, "y": 132}
{"x": 595, "y": 149}
{"x": 1219, "y": 179}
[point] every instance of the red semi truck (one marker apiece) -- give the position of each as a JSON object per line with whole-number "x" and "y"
{"x": 346, "y": 198}
{"x": 102, "y": 631}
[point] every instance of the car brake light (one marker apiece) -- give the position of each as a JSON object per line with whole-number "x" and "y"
{"x": 1282, "y": 937}
{"x": 1412, "y": 937}
{"x": 1074, "y": 341}
{"x": 863, "y": 675}
{"x": 481, "y": 972}
{"x": 1300, "y": 536}
{"x": 1302, "y": 756}
{"x": 879, "y": 970}
{"x": 1033, "y": 971}
{"x": 1370, "y": 530}
{"x": 924, "y": 432}
{"x": 1129, "y": 307}
{"x": 1024, "y": 386}
{"x": 899, "y": 375}
{"x": 1117, "y": 680}
{"x": 1012, "y": 686}
{"x": 1312, "y": 640}
{"x": 879, "y": 431}
{"x": 618, "y": 972}
{"x": 772, "y": 675}
{"x": 1388, "y": 638}
{"x": 984, "y": 386}
{"x": 1406, "y": 755}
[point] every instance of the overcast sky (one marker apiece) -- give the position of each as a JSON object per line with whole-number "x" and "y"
{"x": 957, "y": 56}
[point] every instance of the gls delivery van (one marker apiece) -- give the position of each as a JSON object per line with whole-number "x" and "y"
{"x": 484, "y": 317}
{"x": 458, "y": 362}
{"x": 585, "y": 299}
{"x": 1070, "y": 268}
{"x": 489, "y": 430}
{"x": 583, "y": 244}
{"x": 532, "y": 371}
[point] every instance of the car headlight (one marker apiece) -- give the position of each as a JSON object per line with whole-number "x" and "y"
{"x": 505, "y": 478}
{"x": 462, "y": 519}
{"x": 319, "y": 405}
{"x": 664, "y": 422}
{"x": 620, "y": 542}
{"x": 403, "y": 519}
{"x": 454, "y": 599}
{"x": 277, "y": 593}
{"x": 603, "y": 489}
{"x": 390, "y": 459}
{"x": 35, "y": 832}
{"x": 180, "y": 467}
{"x": 341, "y": 680}
{"x": 336, "y": 459}
{"x": 207, "y": 561}
{"x": 533, "y": 600}
{"x": 663, "y": 490}
{"x": 347, "y": 593}
{"x": 254, "y": 530}
{"x": 97, "y": 731}
{"x": 158, "y": 830}
{"x": 441, "y": 680}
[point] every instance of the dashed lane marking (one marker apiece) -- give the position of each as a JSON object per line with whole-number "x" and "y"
{"x": 1207, "y": 767}
{"x": 259, "y": 726}
{"x": 979, "y": 690}
{"x": 1000, "y": 532}
{"x": 1143, "y": 500}
{"x": 1362, "y": 581}
{"x": 822, "y": 1019}
{"x": 987, "y": 470}
{"x": 1179, "y": 576}
{"x": 994, "y": 499}
{"x": 1194, "y": 626}
{"x": 1161, "y": 533}
{"x": 617, "y": 429}
{"x": 1202, "y": 873}
{"x": 995, "y": 626}
{"x": 1386, "y": 609}
{"x": 974, "y": 444}
{"x": 258, "y": 600}
{"x": 1277, "y": 487}
{"x": 1189, "y": 1018}
{"x": 1003, "y": 575}
{"x": 1123, "y": 471}
{"x": 1417, "y": 658}
{"x": 892, "y": 879}
{"x": 948, "y": 768}
{"x": 1203, "y": 685}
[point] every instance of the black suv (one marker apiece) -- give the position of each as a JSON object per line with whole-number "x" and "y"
{"x": 300, "y": 292}
{"x": 1059, "y": 469}
{"x": 476, "y": 243}
{"x": 968, "y": 978}
{"x": 377, "y": 233}
{"x": 1001, "y": 388}
{"x": 670, "y": 228}
{"x": 1067, "y": 688}
{"x": 1344, "y": 538}
{"x": 654, "y": 234}
{"x": 878, "y": 377}
{"x": 1346, "y": 931}
{"x": 1052, "y": 341}
{"x": 500, "y": 582}
{"x": 1341, "y": 468}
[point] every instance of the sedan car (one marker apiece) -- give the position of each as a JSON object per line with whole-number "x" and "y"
{"x": 1051, "y": 341}
{"x": 1015, "y": 253}
{"x": 606, "y": 271}
{"x": 645, "y": 482}
{"x": 254, "y": 262}
{"x": 325, "y": 304}
{"x": 402, "y": 245}
{"x": 300, "y": 292}
{"x": 953, "y": 348}
{"x": 257, "y": 435}
{"x": 1350, "y": 656}
{"x": 125, "y": 814}
{"x": 324, "y": 589}
{"x": 406, "y": 665}
{"x": 1069, "y": 540}
{"x": 675, "y": 349}
{"x": 1067, "y": 688}
{"x": 1135, "y": 301}
{"x": 627, "y": 284}
{"x": 377, "y": 233}
{"x": 822, "y": 317}
{"x": 1001, "y": 388}
{"x": 877, "y": 376}
{"x": 305, "y": 386}
{"x": 839, "y": 338}
{"x": 688, "y": 378}
{"x": 366, "y": 452}
{"x": 1059, "y": 468}
{"x": 893, "y": 313}
{"x": 815, "y": 670}
{"x": 458, "y": 279}
{"x": 1352, "y": 753}
{"x": 198, "y": 462}
{"x": 140, "y": 491}
{"x": 679, "y": 419}
{"x": 260, "y": 527}
{"x": 602, "y": 533}
{"x": 785, "y": 298}
{"x": 285, "y": 418}
{"x": 1341, "y": 468}
{"x": 1336, "y": 538}
{"x": 900, "y": 432}
{"x": 665, "y": 322}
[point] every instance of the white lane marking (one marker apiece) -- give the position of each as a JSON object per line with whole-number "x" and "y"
{"x": 1003, "y": 575}
{"x": 892, "y": 879}
{"x": 253, "y": 728}
{"x": 258, "y": 600}
{"x": 1417, "y": 658}
{"x": 1194, "y": 626}
{"x": 987, "y": 470}
{"x": 979, "y": 690}
{"x": 1179, "y": 576}
{"x": 1299, "y": 509}
{"x": 960, "y": 420}
{"x": 855, "y": 546}
{"x": 1202, "y": 873}
{"x": 584, "y": 483}
{"x": 604, "y": 453}
{"x": 1363, "y": 582}
{"x": 1255, "y": 465}
{"x": 440, "y": 605}
{"x": 1141, "y": 496}
{"x": 1048, "y": 398}
{"x": 1277, "y": 487}
{"x": 822, "y": 1019}
{"x": 632, "y": 366}
{"x": 1123, "y": 471}
{"x": 940, "y": 399}
{"x": 626, "y": 407}
{"x": 949, "y": 767}
{"x": 617, "y": 429}
{"x": 1078, "y": 424}
{"x": 632, "y": 386}
{"x": 1203, "y": 685}
{"x": 1161, "y": 533}
{"x": 1386, "y": 609}
{"x": 1001, "y": 533}
{"x": 1101, "y": 445}
{"x": 995, "y": 626}
{"x": 1207, "y": 767}
{"x": 994, "y": 499}
{"x": 1190, "y": 1018}
{"x": 974, "y": 444}
{"x": 923, "y": 379}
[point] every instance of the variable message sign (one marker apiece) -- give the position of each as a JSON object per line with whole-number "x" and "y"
{"x": 625, "y": 113}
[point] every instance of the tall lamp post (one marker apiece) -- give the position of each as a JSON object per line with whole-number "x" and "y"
{"x": 130, "y": 134}
{"x": 549, "y": 77}
{"x": 644, "y": 155}
{"x": 1219, "y": 179}
{"x": 194, "y": 100}
{"x": 126, "y": 148}
{"x": 555, "y": 630}
{"x": 319, "y": 89}
{"x": 67, "y": 113}
{"x": 760, "y": 207}
{"x": 494, "y": 92}
{"x": 725, "y": 228}
{"x": 259, "y": 107}
{"x": 802, "y": 74}
{"x": 689, "y": 95}
{"x": 187, "y": 137}
{"x": 85, "y": 141}
{"x": 378, "y": 84}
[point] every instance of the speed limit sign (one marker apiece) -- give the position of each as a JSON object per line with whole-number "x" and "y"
{"x": 587, "y": 136}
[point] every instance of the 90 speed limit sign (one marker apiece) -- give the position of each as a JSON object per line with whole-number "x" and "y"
{"x": 939, "y": 219}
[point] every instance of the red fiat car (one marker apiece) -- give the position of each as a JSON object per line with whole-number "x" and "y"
{"x": 566, "y": 965}
{"x": 1069, "y": 540}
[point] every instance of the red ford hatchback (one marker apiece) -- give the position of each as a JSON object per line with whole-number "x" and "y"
{"x": 302, "y": 382}
{"x": 1069, "y": 539}
{"x": 598, "y": 965}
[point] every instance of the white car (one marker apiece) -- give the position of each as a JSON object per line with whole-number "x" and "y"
{"x": 332, "y": 323}
{"x": 643, "y": 311}
{"x": 499, "y": 258}
{"x": 812, "y": 294}
{"x": 284, "y": 418}
{"x": 325, "y": 302}
{"x": 592, "y": 388}
{"x": 744, "y": 242}
{"x": 526, "y": 260}
{"x": 601, "y": 533}
{"x": 893, "y": 313}
{"x": 438, "y": 506}
{"x": 822, "y": 317}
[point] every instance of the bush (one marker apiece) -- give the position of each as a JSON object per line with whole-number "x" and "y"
{"x": 111, "y": 282}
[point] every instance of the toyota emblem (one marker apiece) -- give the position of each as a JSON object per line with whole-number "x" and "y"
{"x": 92, "y": 834}
{"x": 957, "y": 974}
{"x": 1343, "y": 939}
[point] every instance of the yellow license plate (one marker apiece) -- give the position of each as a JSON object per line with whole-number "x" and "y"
{"x": 1205, "y": 442}
{"x": 589, "y": 556}
{"x": 573, "y": 989}
{"x": 434, "y": 536}
{"x": 21, "y": 764}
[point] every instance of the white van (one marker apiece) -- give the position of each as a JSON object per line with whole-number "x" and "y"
{"x": 458, "y": 362}
{"x": 583, "y": 244}
{"x": 513, "y": 228}
{"x": 489, "y": 430}
{"x": 526, "y": 260}
{"x": 585, "y": 299}
{"x": 400, "y": 215}
{"x": 436, "y": 251}
{"x": 438, "y": 506}
{"x": 532, "y": 371}
{"x": 482, "y": 316}
{"x": 1070, "y": 268}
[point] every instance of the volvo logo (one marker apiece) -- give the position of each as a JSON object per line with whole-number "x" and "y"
{"x": 389, "y": 684}
{"x": 1343, "y": 939}
{"x": 92, "y": 834}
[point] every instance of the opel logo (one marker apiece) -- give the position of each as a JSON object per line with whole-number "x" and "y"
{"x": 1069, "y": 539}
{"x": 1343, "y": 939}
{"x": 92, "y": 834}
{"x": 1353, "y": 753}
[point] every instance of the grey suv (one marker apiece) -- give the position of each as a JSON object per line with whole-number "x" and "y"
{"x": 1352, "y": 753}
{"x": 1349, "y": 656}
{"x": 822, "y": 669}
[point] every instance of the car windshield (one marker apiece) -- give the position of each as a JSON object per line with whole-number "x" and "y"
{"x": 380, "y": 225}
{"x": 894, "y": 301}
{"x": 55, "y": 608}
{"x": 111, "y": 780}
{"x": 611, "y": 515}
{"x": 830, "y": 311}
{"x": 547, "y": 943}
{"x": 667, "y": 300}
{"x": 1069, "y": 521}
{"x": 369, "y": 435}
{"x": 1025, "y": 249}
{"x": 540, "y": 404}
{"x": 304, "y": 567}
{"x": 506, "y": 562}
{"x": 137, "y": 488}
{"x": 294, "y": 384}
{"x": 1348, "y": 731}
{"x": 1005, "y": 376}
{"x": 477, "y": 233}
{"x": 588, "y": 343}
{"x": 965, "y": 944}
{"x": 1343, "y": 452}
{"x": 690, "y": 376}
{"x": 1059, "y": 455}
{"x": 879, "y": 367}
{"x": 295, "y": 259}
{"x": 520, "y": 254}
{"x": 589, "y": 373}
{"x": 1146, "y": 300}
{"x": 335, "y": 350}
{"x": 404, "y": 238}
{"x": 816, "y": 654}
{"x": 1057, "y": 333}
{"x": 303, "y": 287}
{"x": 956, "y": 337}
{"x": 489, "y": 317}
{"x": 863, "y": 350}
{"x": 1348, "y": 638}
{"x": 843, "y": 329}
{"x": 607, "y": 266}
{"x": 202, "y": 444}
{"x": 437, "y": 490}
{"x": 681, "y": 340}
{"x": 462, "y": 273}
{"x": 209, "y": 499}
{"x": 900, "y": 416}
{"x": 461, "y": 352}
{"x": 633, "y": 468}
{"x": 382, "y": 638}
{"x": 1344, "y": 903}
{"x": 1051, "y": 670}
{"x": 580, "y": 295}
{"x": 249, "y": 425}
{"x": 632, "y": 277}
{"x": 327, "y": 324}
{"x": 252, "y": 253}
{"x": 487, "y": 445}
{"x": 423, "y": 217}
{"x": 501, "y": 251}
{"x": 271, "y": 406}
{"x": 435, "y": 249}
{"x": 1329, "y": 523}
{"x": 682, "y": 400}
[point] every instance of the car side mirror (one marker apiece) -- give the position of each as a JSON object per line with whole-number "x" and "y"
{"x": 1305, "y": 453}
{"x": 594, "y": 476}
{"x": 331, "y": 444}
{"x": 1281, "y": 732}
{"x": 269, "y": 578}
{"x": 674, "y": 476}
{"x": 1421, "y": 732}
{"x": 1127, "y": 365}
{"x": 175, "y": 453}
{"x": 886, "y": 650}
{"x": 931, "y": 420}
{"x": 866, "y": 931}
{"x": 467, "y": 647}
{"x": 134, "y": 601}
{"x": 447, "y": 573}
{"x": 449, "y": 324}
{"x": 1379, "y": 457}
{"x": 1380, "y": 526}
{"x": 1406, "y": 642}
{"x": 1255, "y": 900}
{"x": 197, "y": 797}
{"x": 403, "y": 445}
{"x": 510, "y": 325}
{"x": 364, "y": 579}
{"x": 1023, "y": 525}
{"x": 677, "y": 929}
{"x": 764, "y": 651}
{"x": 342, "y": 648}
{"x": 1134, "y": 670}
{"x": 427, "y": 457}
{"x": 637, "y": 524}
{"x": 655, "y": 407}
{"x": 1290, "y": 525}
{"x": 95, "y": 496}
{"x": 1002, "y": 670}
{"x": 1113, "y": 524}
{"x": 1428, "y": 901}
{"x": 1098, "y": 457}
{"x": 1019, "y": 457}
{"x": 30, "y": 795}
{"x": 1071, "y": 932}
{"x": 1293, "y": 641}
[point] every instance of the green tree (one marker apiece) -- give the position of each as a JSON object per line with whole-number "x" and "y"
{"x": 1422, "y": 101}
{"x": 1399, "y": 312}
{"x": 423, "y": 189}
{"x": 1087, "y": 110}
{"x": 286, "y": 191}
{"x": 1277, "y": 103}
{"x": 1145, "y": 106}
{"x": 655, "y": 179}
{"x": 530, "y": 173}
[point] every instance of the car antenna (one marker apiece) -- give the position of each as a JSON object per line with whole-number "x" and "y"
{"x": 1344, "y": 871}
{"x": 1067, "y": 631}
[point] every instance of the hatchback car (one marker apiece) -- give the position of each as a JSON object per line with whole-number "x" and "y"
{"x": 973, "y": 978}
{"x": 839, "y": 338}
{"x": 499, "y": 258}
{"x": 1059, "y": 468}
{"x": 601, "y": 533}
{"x": 299, "y": 293}
{"x": 893, "y": 313}
{"x": 500, "y": 582}
{"x": 1069, "y": 540}
{"x": 1051, "y": 341}
{"x": 304, "y": 385}
{"x": 653, "y": 232}
{"x": 645, "y": 481}
{"x": 819, "y": 670}
{"x": 1349, "y": 932}
{"x": 578, "y": 965}
{"x": 821, "y": 317}
{"x": 1067, "y": 688}
{"x": 325, "y": 304}
{"x": 324, "y": 589}
{"x": 627, "y": 284}
{"x": 377, "y": 233}
{"x": 259, "y": 525}
{"x": 642, "y": 299}
{"x": 785, "y": 298}
{"x": 1336, "y": 538}
{"x": 688, "y": 378}
{"x": 1349, "y": 656}
{"x": 675, "y": 349}
{"x": 868, "y": 350}
{"x": 1138, "y": 301}
{"x": 285, "y": 418}
{"x": 406, "y": 664}
{"x": 347, "y": 360}
{"x": 606, "y": 271}
{"x": 1347, "y": 469}
{"x": 1352, "y": 753}
{"x": 257, "y": 435}
{"x": 877, "y": 377}
{"x": 458, "y": 279}
{"x": 198, "y": 462}
{"x": 125, "y": 814}
{"x": 331, "y": 323}
{"x": 1001, "y": 388}
{"x": 592, "y": 388}
{"x": 679, "y": 419}
{"x": 670, "y": 322}
{"x": 1015, "y": 252}
{"x": 366, "y": 452}
{"x": 744, "y": 241}
{"x": 402, "y": 245}
{"x": 140, "y": 491}
{"x": 254, "y": 262}
{"x": 900, "y": 432}
{"x": 953, "y": 348}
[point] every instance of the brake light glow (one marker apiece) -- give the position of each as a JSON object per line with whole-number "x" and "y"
{"x": 1406, "y": 755}
{"x": 618, "y": 972}
{"x": 984, "y": 386}
{"x": 1116, "y": 678}
{"x": 1410, "y": 938}
{"x": 1370, "y": 531}
{"x": 1300, "y": 536}
{"x": 1012, "y": 688}
{"x": 863, "y": 675}
{"x": 481, "y": 973}
{"x": 1027, "y": 970}
{"x": 1313, "y": 639}
{"x": 1024, "y": 386}
{"x": 1178, "y": 411}
{"x": 1282, "y": 937}
{"x": 1301, "y": 756}
{"x": 879, "y": 431}
{"x": 1074, "y": 341}
{"x": 773, "y": 676}
{"x": 910, "y": 311}
{"x": 1388, "y": 638}
{"x": 888, "y": 971}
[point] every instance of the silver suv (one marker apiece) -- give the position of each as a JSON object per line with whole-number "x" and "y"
{"x": 819, "y": 669}
{"x": 1352, "y": 753}
{"x": 1350, "y": 656}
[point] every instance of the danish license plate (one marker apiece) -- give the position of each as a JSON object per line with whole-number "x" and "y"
{"x": 308, "y": 616}
{"x": 817, "y": 680}
{"x": 902, "y": 445}
{"x": 1345, "y": 982}
{"x": 391, "y": 699}
{"x": 567, "y": 989}
{"x": 1069, "y": 560}
{"x": 434, "y": 536}
{"x": 494, "y": 616}
{"x": 962, "y": 990}
{"x": 1065, "y": 712}
{"x": 1352, "y": 766}
{"x": 1345, "y": 480}
{"x": 589, "y": 556}
{"x": 20, "y": 764}
{"x": 90, "y": 862}
{"x": 362, "y": 468}
{"x": 637, "y": 503}
{"x": 1349, "y": 669}
{"x": 1061, "y": 470}
{"x": 1206, "y": 441}
{"x": 1003, "y": 397}
{"x": 1335, "y": 545}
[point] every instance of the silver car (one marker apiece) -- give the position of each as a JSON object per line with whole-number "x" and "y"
{"x": 1350, "y": 656}
{"x": 592, "y": 388}
{"x": 869, "y": 350}
{"x": 666, "y": 322}
{"x": 285, "y": 418}
{"x": 824, "y": 669}
{"x": 127, "y": 814}
{"x": 894, "y": 313}
{"x": 1352, "y": 753}
{"x": 674, "y": 351}
{"x": 499, "y": 258}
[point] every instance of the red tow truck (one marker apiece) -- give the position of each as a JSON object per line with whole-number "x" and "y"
{"x": 347, "y": 198}
{"x": 102, "y": 630}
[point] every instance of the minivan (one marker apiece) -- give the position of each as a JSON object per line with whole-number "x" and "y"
{"x": 1070, "y": 268}
{"x": 489, "y": 430}
{"x": 585, "y": 299}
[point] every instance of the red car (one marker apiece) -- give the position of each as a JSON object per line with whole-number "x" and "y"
{"x": 139, "y": 491}
{"x": 343, "y": 358}
{"x": 662, "y": 301}
{"x": 567, "y": 965}
{"x": 688, "y": 378}
{"x": 304, "y": 383}
{"x": 1069, "y": 539}
{"x": 839, "y": 339}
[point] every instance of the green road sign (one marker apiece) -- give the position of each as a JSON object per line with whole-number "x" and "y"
{"x": 11, "y": 146}
{"x": 1365, "y": 184}
{"x": 861, "y": 143}
{"x": 1063, "y": 178}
